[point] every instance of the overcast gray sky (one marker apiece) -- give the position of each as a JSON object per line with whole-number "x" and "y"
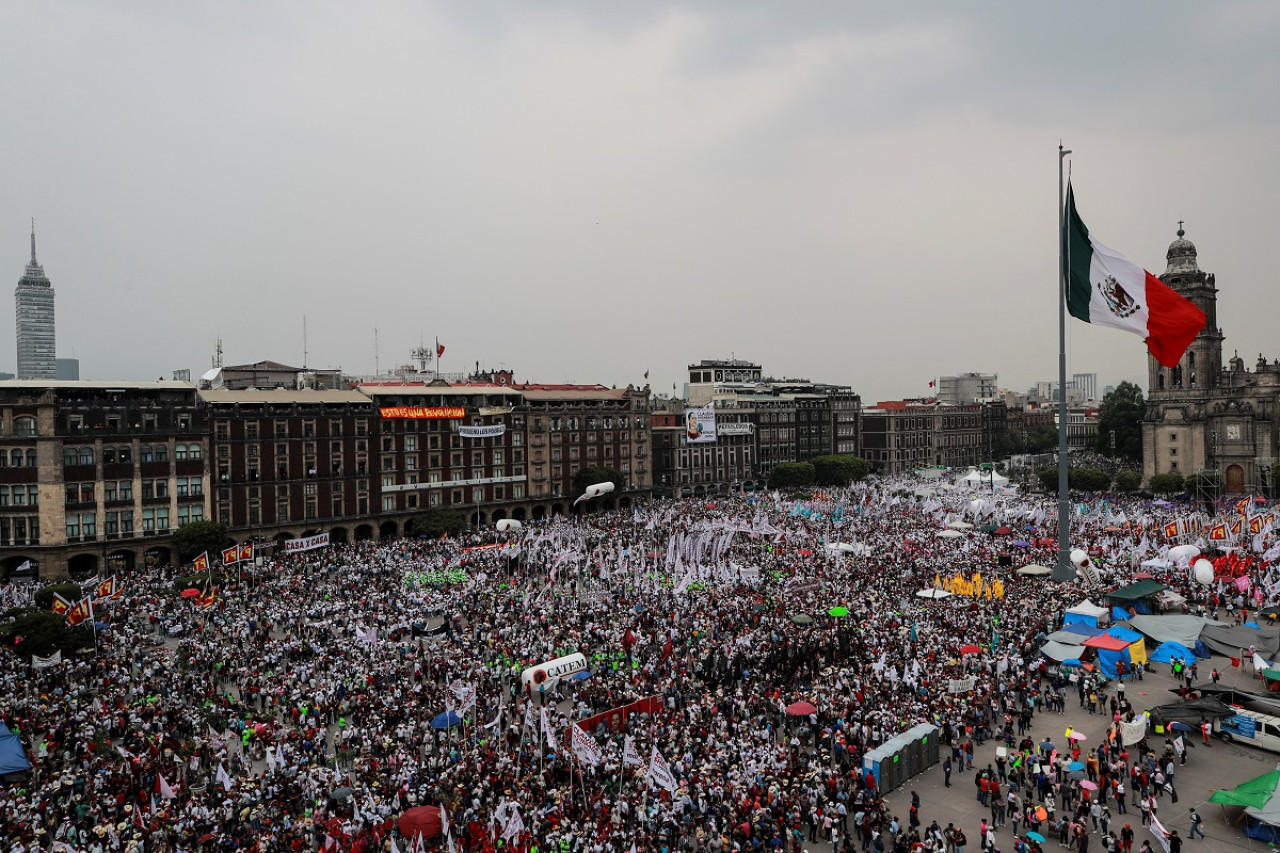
{"x": 860, "y": 193}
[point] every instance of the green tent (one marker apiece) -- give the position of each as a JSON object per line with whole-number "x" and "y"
{"x": 1134, "y": 591}
{"x": 1255, "y": 793}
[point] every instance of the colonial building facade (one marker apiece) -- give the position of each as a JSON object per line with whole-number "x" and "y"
{"x": 1207, "y": 416}
{"x": 95, "y": 476}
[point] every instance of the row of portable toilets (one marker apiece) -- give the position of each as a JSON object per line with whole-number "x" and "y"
{"x": 896, "y": 760}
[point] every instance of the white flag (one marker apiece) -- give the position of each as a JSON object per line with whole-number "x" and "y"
{"x": 629, "y": 753}
{"x": 444, "y": 822}
{"x": 271, "y": 759}
{"x": 166, "y": 793}
{"x": 54, "y": 659}
{"x": 548, "y": 730}
{"x": 223, "y": 779}
{"x": 660, "y": 773}
{"x": 465, "y": 694}
{"x": 585, "y": 746}
{"x": 513, "y": 827}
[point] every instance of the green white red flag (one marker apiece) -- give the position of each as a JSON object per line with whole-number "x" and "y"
{"x": 1108, "y": 289}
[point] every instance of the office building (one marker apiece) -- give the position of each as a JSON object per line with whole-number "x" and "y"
{"x": 33, "y": 308}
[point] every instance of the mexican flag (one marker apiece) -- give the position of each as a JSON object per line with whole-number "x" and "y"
{"x": 1108, "y": 289}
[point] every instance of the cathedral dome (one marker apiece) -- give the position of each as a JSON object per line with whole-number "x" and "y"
{"x": 1181, "y": 255}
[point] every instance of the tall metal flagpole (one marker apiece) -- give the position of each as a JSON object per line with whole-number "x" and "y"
{"x": 1063, "y": 571}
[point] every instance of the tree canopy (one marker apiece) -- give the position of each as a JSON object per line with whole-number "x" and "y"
{"x": 1121, "y": 412}
{"x": 1165, "y": 484}
{"x": 437, "y": 520}
{"x": 792, "y": 475}
{"x": 196, "y": 537}
{"x": 839, "y": 470}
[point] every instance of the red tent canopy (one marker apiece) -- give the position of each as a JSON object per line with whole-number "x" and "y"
{"x": 1108, "y": 642}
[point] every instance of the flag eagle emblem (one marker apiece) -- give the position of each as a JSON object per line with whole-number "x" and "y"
{"x": 1118, "y": 299}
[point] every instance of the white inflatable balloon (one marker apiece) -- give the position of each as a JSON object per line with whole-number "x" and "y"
{"x": 1079, "y": 558}
{"x": 595, "y": 491}
{"x": 506, "y": 525}
{"x": 1183, "y": 554}
{"x": 1204, "y": 572}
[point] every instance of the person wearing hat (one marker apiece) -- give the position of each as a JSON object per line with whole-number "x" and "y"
{"x": 1197, "y": 823}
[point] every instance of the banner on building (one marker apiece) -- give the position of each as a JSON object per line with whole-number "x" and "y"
{"x": 309, "y": 543}
{"x": 482, "y": 431}
{"x": 700, "y": 426}
{"x": 424, "y": 412}
{"x": 736, "y": 428}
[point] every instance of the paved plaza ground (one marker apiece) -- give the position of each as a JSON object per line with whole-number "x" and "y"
{"x": 1207, "y": 769}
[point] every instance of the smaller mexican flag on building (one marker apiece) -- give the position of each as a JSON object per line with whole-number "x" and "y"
{"x": 1108, "y": 289}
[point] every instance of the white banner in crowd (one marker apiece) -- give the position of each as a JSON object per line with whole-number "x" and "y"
{"x": 585, "y": 747}
{"x": 961, "y": 685}
{"x": 309, "y": 543}
{"x": 1131, "y": 733}
{"x": 660, "y": 772}
{"x": 482, "y": 431}
{"x": 54, "y": 659}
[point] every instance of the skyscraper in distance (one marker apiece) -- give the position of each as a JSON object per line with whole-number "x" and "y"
{"x": 33, "y": 308}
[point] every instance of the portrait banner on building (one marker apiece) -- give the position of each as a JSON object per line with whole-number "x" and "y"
{"x": 700, "y": 426}
{"x": 482, "y": 431}
{"x": 308, "y": 543}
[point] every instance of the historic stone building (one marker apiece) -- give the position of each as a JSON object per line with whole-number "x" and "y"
{"x": 1205, "y": 415}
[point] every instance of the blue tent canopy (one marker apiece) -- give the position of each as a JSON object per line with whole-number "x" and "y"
{"x": 1082, "y": 628}
{"x": 1120, "y": 632}
{"x": 1166, "y": 652}
{"x": 13, "y": 758}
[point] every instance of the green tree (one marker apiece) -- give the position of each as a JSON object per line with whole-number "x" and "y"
{"x": 438, "y": 520}
{"x": 1128, "y": 481}
{"x": 70, "y": 591}
{"x": 196, "y": 537}
{"x": 39, "y": 632}
{"x": 839, "y": 470}
{"x": 1203, "y": 483}
{"x": 1078, "y": 479}
{"x": 792, "y": 475}
{"x": 584, "y": 477}
{"x": 1165, "y": 484}
{"x": 1088, "y": 480}
{"x": 1042, "y": 439}
{"x": 1121, "y": 412}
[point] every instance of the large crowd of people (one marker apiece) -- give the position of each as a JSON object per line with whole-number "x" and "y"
{"x": 313, "y": 702}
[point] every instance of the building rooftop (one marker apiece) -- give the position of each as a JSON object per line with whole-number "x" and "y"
{"x": 283, "y": 395}
{"x": 91, "y": 385}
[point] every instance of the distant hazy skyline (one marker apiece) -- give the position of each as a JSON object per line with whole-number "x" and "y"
{"x": 849, "y": 192}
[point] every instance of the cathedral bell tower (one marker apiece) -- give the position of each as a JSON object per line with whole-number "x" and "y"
{"x": 1201, "y": 365}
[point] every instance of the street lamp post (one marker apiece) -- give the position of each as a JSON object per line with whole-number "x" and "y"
{"x": 1265, "y": 464}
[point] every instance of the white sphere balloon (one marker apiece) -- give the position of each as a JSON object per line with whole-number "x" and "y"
{"x": 1204, "y": 572}
{"x": 1079, "y": 558}
{"x": 508, "y": 525}
{"x": 1183, "y": 554}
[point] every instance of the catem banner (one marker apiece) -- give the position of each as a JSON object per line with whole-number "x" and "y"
{"x": 309, "y": 543}
{"x": 482, "y": 431}
{"x": 700, "y": 426}
{"x": 736, "y": 428}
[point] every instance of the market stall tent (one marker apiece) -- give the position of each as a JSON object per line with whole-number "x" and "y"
{"x": 1086, "y": 612}
{"x": 13, "y": 758}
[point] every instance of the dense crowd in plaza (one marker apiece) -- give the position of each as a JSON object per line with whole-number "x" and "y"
{"x": 296, "y": 712}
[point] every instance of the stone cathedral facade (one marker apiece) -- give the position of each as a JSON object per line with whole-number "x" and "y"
{"x": 1209, "y": 414}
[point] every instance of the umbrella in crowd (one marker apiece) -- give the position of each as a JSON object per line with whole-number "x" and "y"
{"x": 801, "y": 709}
